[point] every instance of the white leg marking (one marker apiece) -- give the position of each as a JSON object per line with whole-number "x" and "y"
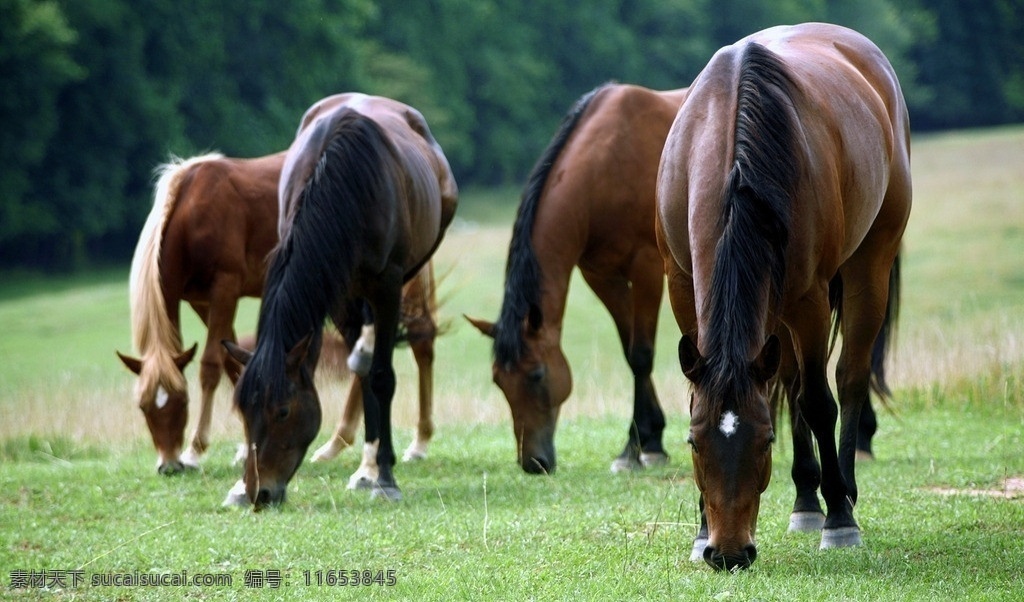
{"x": 417, "y": 450}
{"x": 329, "y": 450}
{"x": 368, "y": 471}
{"x": 190, "y": 458}
{"x": 361, "y": 358}
{"x": 241, "y": 453}
{"x": 236, "y": 496}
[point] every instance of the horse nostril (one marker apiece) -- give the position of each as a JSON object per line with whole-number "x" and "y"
{"x": 713, "y": 558}
{"x": 751, "y": 551}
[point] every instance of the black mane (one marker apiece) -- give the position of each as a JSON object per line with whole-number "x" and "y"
{"x": 750, "y": 260}
{"x": 522, "y": 273}
{"x": 311, "y": 270}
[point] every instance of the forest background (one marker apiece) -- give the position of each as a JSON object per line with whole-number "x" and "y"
{"x": 94, "y": 94}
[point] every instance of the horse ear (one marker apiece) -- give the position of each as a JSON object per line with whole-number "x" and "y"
{"x": 690, "y": 359}
{"x": 133, "y": 364}
{"x": 240, "y": 354}
{"x": 486, "y": 328}
{"x": 767, "y": 362}
{"x": 297, "y": 356}
{"x": 182, "y": 360}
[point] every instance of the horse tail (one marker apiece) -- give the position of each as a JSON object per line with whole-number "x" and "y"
{"x": 522, "y": 272}
{"x": 756, "y": 205}
{"x": 880, "y": 350}
{"x": 153, "y": 334}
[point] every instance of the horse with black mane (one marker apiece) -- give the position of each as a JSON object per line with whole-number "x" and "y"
{"x": 589, "y": 202}
{"x": 365, "y": 196}
{"x": 785, "y": 176}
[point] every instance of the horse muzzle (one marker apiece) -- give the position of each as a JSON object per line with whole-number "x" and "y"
{"x": 730, "y": 561}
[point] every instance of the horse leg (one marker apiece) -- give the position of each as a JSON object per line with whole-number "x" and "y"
{"x": 219, "y": 318}
{"x": 634, "y": 309}
{"x": 818, "y": 407}
{"x": 345, "y": 434}
{"x": 701, "y": 540}
{"x": 379, "y": 387}
{"x": 419, "y": 305}
{"x": 806, "y": 473}
{"x": 865, "y": 297}
{"x": 423, "y": 353}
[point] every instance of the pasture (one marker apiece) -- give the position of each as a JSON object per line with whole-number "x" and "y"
{"x": 942, "y": 507}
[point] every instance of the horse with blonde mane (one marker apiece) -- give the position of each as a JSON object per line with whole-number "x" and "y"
{"x": 205, "y": 242}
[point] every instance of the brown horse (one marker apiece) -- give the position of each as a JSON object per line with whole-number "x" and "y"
{"x": 589, "y": 202}
{"x": 786, "y": 174}
{"x": 365, "y": 197}
{"x": 185, "y": 254}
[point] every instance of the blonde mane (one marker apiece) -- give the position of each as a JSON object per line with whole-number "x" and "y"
{"x": 154, "y": 336}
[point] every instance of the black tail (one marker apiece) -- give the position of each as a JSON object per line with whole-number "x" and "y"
{"x": 886, "y": 336}
{"x": 522, "y": 272}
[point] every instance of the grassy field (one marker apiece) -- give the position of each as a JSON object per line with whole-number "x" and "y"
{"x": 941, "y": 509}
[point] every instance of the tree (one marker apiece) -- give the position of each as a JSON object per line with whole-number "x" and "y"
{"x": 36, "y": 64}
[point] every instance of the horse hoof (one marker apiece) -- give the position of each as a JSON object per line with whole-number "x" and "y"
{"x": 169, "y": 469}
{"x": 697, "y": 553}
{"x": 806, "y": 522}
{"x": 625, "y": 464}
{"x": 359, "y": 482}
{"x": 236, "y": 497}
{"x": 842, "y": 537}
{"x": 190, "y": 459}
{"x": 389, "y": 493}
{"x": 328, "y": 451}
{"x": 649, "y": 460}
{"x": 413, "y": 455}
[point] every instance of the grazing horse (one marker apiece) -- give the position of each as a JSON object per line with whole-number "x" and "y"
{"x": 186, "y": 253}
{"x": 589, "y": 202}
{"x": 205, "y": 242}
{"x": 786, "y": 175}
{"x": 365, "y": 197}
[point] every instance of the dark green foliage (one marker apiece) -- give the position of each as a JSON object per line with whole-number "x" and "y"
{"x": 96, "y": 94}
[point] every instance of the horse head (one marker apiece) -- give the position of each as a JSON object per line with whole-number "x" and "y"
{"x": 730, "y": 439}
{"x": 281, "y": 419}
{"x": 536, "y": 384}
{"x": 163, "y": 398}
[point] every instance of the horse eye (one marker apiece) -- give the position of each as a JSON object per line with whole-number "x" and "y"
{"x": 282, "y": 412}
{"x": 537, "y": 374}
{"x": 693, "y": 446}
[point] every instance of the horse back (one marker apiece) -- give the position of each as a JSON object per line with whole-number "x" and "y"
{"x": 597, "y": 202}
{"x": 856, "y": 133}
{"x": 224, "y": 223}
{"x": 425, "y": 185}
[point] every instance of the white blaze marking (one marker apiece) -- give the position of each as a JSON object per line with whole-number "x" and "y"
{"x": 161, "y": 397}
{"x": 728, "y": 424}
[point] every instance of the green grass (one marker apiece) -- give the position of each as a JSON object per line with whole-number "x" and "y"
{"x": 78, "y": 489}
